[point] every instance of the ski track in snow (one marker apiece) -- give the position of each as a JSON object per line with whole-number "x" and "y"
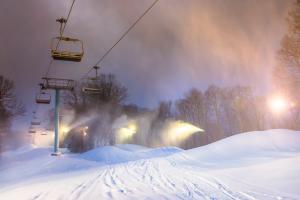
{"x": 170, "y": 176}
{"x": 156, "y": 177}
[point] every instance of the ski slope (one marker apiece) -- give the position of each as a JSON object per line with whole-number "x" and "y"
{"x": 255, "y": 165}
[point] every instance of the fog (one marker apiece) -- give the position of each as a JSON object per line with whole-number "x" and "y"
{"x": 178, "y": 45}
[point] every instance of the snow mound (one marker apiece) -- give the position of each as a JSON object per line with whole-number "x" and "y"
{"x": 259, "y": 144}
{"x": 131, "y": 147}
{"x": 125, "y": 153}
{"x": 19, "y": 150}
{"x": 24, "y": 154}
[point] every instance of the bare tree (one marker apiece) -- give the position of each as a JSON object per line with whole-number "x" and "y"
{"x": 165, "y": 110}
{"x": 10, "y": 107}
{"x": 110, "y": 91}
{"x": 287, "y": 72}
{"x": 105, "y": 105}
{"x": 193, "y": 109}
{"x": 213, "y": 103}
{"x": 221, "y": 112}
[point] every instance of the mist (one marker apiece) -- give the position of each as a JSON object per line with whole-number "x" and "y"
{"x": 177, "y": 45}
{"x": 144, "y": 128}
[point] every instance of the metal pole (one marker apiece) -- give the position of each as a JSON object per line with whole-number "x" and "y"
{"x": 56, "y": 121}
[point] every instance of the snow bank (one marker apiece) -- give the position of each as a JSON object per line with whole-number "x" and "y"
{"x": 125, "y": 153}
{"x": 261, "y": 145}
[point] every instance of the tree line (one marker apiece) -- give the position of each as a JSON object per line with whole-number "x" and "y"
{"x": 220, "y": 111}
{"x": 286, "y": 73}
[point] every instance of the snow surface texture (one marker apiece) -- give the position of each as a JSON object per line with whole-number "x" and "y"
{"x": 256, "y": 165}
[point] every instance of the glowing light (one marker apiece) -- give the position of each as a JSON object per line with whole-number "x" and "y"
{"x": 84, "y": 131}
{"x": 64, "y": 128}
{"x": 124, "y": 134}
{"x": 178, "y": 131}
{"x": 278, "y": 104}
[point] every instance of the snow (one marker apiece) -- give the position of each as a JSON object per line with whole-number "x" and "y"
{"x": 243, "y": 148}
{"x": 254, "y": 165}
{"x": 125, "y": 153}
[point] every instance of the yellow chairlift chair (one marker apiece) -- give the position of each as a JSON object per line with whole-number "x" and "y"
{"x": 74, "y": 56}
{"x": 64, "y": 55}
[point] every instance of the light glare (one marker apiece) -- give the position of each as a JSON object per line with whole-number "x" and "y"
{"x": 178, "y": 131}
{"x": 124, "y": 134}
{"x": 278, "y": 104}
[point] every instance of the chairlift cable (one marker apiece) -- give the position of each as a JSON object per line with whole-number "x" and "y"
{"x": 62, "y": 29}
{"x": 123, "y": 36}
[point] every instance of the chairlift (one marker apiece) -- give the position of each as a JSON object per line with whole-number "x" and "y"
{"x": 31, "y": 131}
{"x": 43, "y": 98}
{"x": 92, "y": 81}
{"x": 89, "y": 90}
{"x": 35, "y": 123}
{"x": 74, "y": 56}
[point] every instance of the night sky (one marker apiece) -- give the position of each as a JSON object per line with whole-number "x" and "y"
{"x": 177, "y": 46}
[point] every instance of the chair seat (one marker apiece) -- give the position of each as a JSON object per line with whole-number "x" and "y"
{"x": 42, "y": 101}
{"x": 90, "y": 90}
{"x": 66, "y": 56}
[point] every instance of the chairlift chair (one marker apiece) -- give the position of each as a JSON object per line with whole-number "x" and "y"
{"x": 43, "y": 98}
{"x": 89, "y": 90}
{"x": 92, "y": 81}
{"x": 35, "y": 123}
{"x": 31, "y": 131}
{"x": 74, "y": 56}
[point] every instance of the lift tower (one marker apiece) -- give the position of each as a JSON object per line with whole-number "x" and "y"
{"x": 57, "y": 85}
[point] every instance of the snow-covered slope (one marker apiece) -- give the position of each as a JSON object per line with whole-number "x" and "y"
{"x": 243, "y": 148}
{"x": 125, "y": 153}
{"x": 256, "y": 165}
